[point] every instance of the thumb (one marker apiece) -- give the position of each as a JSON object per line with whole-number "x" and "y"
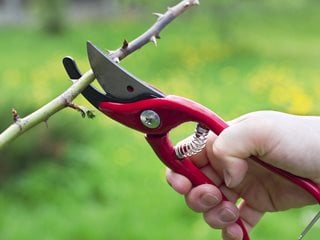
{"x": 245, "y": 137}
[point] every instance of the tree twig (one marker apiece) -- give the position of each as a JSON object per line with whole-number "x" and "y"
{"x": 21, "y": 125}
{"x": 153, "y": 33}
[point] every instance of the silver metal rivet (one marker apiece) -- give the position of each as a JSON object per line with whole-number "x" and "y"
{"x": 150, "y": 119}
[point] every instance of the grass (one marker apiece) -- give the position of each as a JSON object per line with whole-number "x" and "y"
{"x": 94, "y": 179}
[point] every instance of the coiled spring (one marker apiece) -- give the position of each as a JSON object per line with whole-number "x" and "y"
{"x": 193, "y": 144}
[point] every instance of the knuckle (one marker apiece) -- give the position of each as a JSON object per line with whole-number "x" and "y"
{"x": 222, "y": 216}
{"x": 203, "y": 198}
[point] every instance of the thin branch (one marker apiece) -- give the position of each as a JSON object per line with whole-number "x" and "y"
{"x": 21, "y": 125}
{"x": 153, "y": 33}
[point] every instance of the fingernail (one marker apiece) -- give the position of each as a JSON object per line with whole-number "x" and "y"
{"x": 230, "y": 235}
{"x": 209, "y": 200}
{"x": 226, "y": 215}
{"x": 227, "y": 178}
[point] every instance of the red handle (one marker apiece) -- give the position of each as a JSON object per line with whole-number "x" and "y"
{"x": 165, "y": 151}
{"x": 173, "y": 111}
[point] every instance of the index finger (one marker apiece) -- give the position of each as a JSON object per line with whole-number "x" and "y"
{"x": 201, "y": 159}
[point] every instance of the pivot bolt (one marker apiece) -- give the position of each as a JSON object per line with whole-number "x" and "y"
{"x": 150, "y": 119}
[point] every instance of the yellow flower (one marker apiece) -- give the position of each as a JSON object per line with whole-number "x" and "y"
{"x": 282, "y": 89}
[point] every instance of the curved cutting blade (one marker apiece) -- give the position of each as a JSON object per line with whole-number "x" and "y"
{"x": 116, "y": 81}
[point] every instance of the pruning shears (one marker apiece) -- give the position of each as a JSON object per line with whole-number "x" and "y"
{"x": 140, "y": 106}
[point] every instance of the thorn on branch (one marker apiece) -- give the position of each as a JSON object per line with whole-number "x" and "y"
{"x": 159, "y": 15}
{"x": 154, "y": 40}
{"x": 116, "y": 60}
{"x": 46, "y": 123}
{"x": 195, "y": 2}
{"x": 85, "y": 112}
{"x": 110, "y": 51}
{"x": 191, "y": 3}
{"x": 125, "y": 44}
{"x": 15, "y": 115}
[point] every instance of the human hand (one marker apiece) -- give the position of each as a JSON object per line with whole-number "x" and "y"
{"x": 289, "y": 142}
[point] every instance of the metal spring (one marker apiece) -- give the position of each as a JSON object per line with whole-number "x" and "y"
{"x": 193, "y": 144}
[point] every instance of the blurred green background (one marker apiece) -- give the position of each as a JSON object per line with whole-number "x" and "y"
{"x": 95, "y": 179}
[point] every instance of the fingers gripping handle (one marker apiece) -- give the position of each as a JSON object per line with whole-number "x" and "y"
{"x": 196, "y": 112}
{"x": 173, "y": 111}
{"x": 164, "y": 149}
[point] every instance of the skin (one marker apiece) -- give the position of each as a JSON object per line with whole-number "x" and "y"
{"x": 286, "y": 141}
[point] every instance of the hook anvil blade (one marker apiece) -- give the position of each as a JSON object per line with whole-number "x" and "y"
{"x": 116, "y": 81}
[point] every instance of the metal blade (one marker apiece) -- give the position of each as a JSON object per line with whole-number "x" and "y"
{"x": 94, "y": 96}
{"x": 116, "y": 81}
